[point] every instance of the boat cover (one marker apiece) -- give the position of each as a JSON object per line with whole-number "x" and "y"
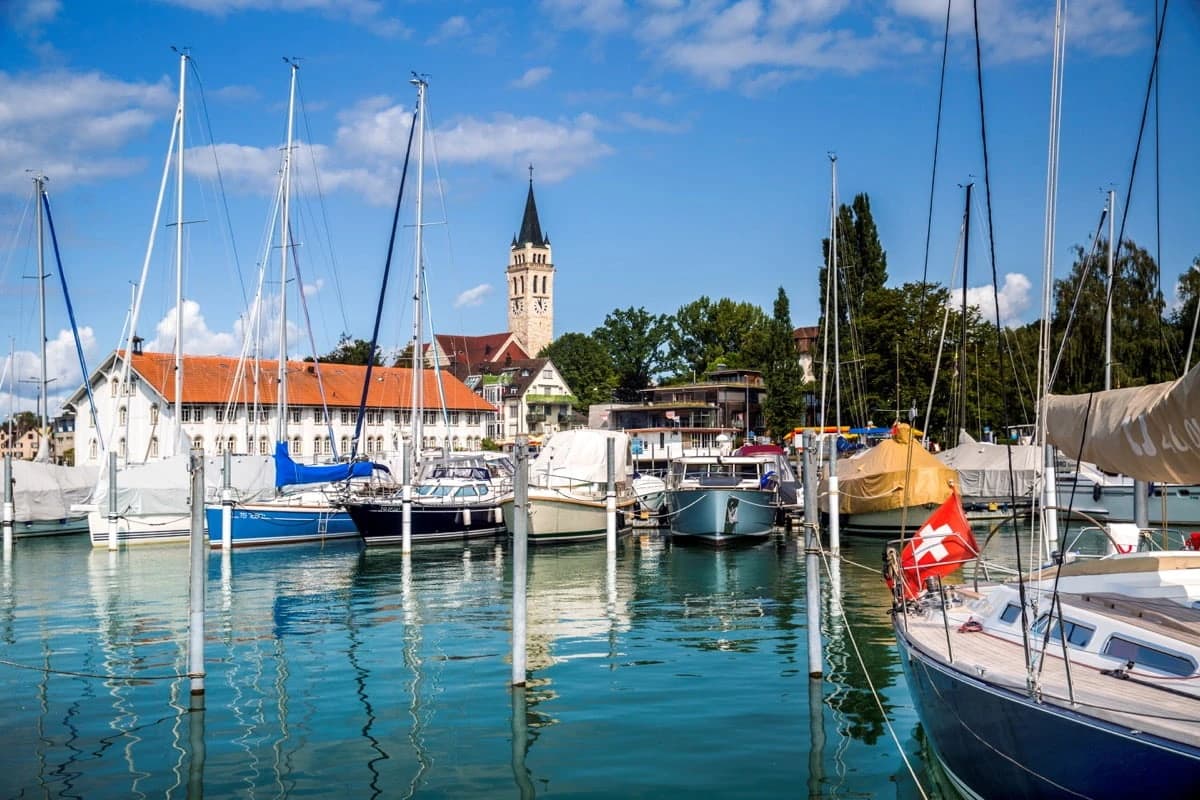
{"x": 289, "y": 473}
{"x": 47, "y": 491}
{"x": 983, "y": 470}
{"x": 1150, "y": 433}
{"x": 164, "y": 486}
{"x": 874, "y": 480}
{"x": 580, "y": 455}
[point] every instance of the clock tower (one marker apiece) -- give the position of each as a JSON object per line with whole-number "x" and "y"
{"x": 530, "y": 277}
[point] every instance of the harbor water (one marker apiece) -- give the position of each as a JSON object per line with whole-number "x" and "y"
{"x": 334, "y": 670}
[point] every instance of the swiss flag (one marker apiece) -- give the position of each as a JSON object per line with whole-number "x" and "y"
{"x": 941, "y": 546}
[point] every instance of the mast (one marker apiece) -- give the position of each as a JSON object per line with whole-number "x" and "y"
{"x": 183, "y": 59}
{"x": 284, "y": 250}
{"x": 962, "y": 346}
{"x": 833, "y": 264}
{"x": 1112, "y": 214}
{"x": 43, "y": 453}
{"x": 418, "y": 371}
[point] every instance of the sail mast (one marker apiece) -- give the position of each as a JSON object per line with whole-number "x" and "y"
{"x": 284, "y": 250}
{"x": 1112, "y": 215}
{"x": 418, "y": 372}
{"x": 833, "y": 275}
{"x": 43, "y": 453}
{"x": 183, "y": 59}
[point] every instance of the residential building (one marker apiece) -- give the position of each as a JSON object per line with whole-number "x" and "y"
{"x": 227, "y": 405}
{"x": 531, "y": 396}
{"x": 805, "y": 339}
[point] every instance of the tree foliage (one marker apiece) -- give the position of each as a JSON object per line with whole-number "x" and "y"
{"x": 704, "y": 333}
{"x": 585, "y": 365}
{"x": 780, "y": 363}
{"x": 351, "y": 351}
{"x": 636, "y": 340}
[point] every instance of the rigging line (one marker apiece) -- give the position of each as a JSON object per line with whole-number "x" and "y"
{"x": 991, "y": 232}
{"x": 387, "y": 268}
{"x": 937, "y": 137}
{"x": 1150, "y": 83}
{"x": 937, "y": 363}
{"x": 871, "y": 684}
{"x": 12, "y": 245}
{"x": 337, "y": 285}
{"x": 1158, "y": 22}
{"x": 220, "y": 182}
{"x": 313, "y": 345}
{"x": 1085, "y": 273}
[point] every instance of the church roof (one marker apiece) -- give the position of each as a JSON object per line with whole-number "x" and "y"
{"x": 472, "y": 350}
{"x": 531, "y": 228}
{"x": 211, "y": 380}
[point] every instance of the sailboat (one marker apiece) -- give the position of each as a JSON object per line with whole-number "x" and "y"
{"x": 44, "y": 493}
{"x": 304, "y": 507}
{"x": 457, "y": 496}
{"x": 1080, "y": 678}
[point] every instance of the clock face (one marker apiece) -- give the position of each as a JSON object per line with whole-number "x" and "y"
{"x": 539, "y": 305}
{"x": 518, "y": 304}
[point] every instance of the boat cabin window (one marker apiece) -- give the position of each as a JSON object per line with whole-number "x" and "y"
{"x": 1010, "y": 613}
{"x": 1077, "y": 634}
{"x": 1147, "y": 656}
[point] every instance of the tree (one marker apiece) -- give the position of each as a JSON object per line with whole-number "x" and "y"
{"x": 784, "y": 406}
{"x": 704, "y": 333}
{"x": 585, "y": 365}
{"x": 1183, "y": 319}
{"x": 635, "y": 340}
{"x": 351, "y": 351}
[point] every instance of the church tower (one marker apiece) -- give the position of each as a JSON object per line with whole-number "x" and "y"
{"x": 531, "y": 282}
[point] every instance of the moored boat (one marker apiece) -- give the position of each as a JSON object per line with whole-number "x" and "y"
{"x": 722, "y": 499}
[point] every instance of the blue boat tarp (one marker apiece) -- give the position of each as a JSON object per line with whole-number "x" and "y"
{"x": 289, "y": 473}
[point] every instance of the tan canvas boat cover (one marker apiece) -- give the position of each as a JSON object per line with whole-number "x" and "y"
{"x": 1150, "y": 433}
{"x": 875, "y": 480}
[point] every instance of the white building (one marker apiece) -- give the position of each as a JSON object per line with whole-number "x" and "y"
{"x": 225, "y": 406}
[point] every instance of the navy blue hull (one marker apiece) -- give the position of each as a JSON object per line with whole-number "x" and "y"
{"x": 382, "y": 523}
{"x": 998, "y": 743}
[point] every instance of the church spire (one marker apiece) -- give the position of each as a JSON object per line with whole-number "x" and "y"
{"x": 531, "y": 229}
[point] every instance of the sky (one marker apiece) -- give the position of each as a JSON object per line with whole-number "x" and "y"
{"x": 679, "y": 148}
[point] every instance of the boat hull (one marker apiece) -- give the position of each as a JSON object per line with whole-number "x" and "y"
{"x": 140, "y": 528}
{"x": 996, "y": 742}
{"x": 381, "y": 523}
{"x": 555, "y": 517}
{"x": 260, "y": 524}
{"x": 886, "y": 524}
{"x": 721, "y": 516}
{"x": 50, "y": 527}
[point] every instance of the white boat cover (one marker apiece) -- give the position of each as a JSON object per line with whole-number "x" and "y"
{"x": 1150, "y": 433}
{"x": 44, "y": 491}
{"x": 164, "y": 487}
{"x": 983, "y": 469}
{"x": 580, "y": 456}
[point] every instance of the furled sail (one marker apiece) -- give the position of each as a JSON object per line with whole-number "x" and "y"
{"x": 289, "y": 473}
{"x": 1150, "y": 433}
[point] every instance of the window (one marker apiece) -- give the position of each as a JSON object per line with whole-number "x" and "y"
{"x": 231, "y": 444}
{"x": 547, "y": 373}
{"x": 154, "y": 447}
{"x": 297, "y": 446}
{"x": 1077, "y": 634}
{"x": 396, "y": 417}
{"x": 345, "y": 445}
{"x": 316, "y": 445}
{"x": 220, "y": 414}
{"x": 122, "y": 416}
{"x": 453, "y": 417}
{"x": 264, "y": 446}
{"x": 92, "y": 450}
{"x": 1010, "y": 613}
{"x": 154, "y": 414}
{"x": 429, "y": 417}
{"x": 295, "y": 413}
{"x": 122, "y": 451}
{"x": 347, "y": 416}
{"x": 198, "y": 443}
{"x": 1147, "y": 656}
{"x": 220, "y": 445}
{"x": 112, "y": 383}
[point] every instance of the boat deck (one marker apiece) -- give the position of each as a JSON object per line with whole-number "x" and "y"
{"x": 1166, "y": 707}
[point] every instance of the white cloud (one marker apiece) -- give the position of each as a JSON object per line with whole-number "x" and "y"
{"x": 28, "y": 14}
{"x": 198, "y": 339}
{"x": 63, "y": 375}
{"x": 73, "y": 126}
{"x": 473, "y": 296}
{"x": 595, "y": 16}
{"x": 453, "y": 28}
{"x": 532, "y": 77}
{"x": 1014, "y": 299}
{"x": 557, "y": 148}
{"x": 366, "y": 13}
{"x": 643, "y": 123}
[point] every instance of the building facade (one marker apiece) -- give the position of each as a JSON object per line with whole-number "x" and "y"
{"x": 232, "y": 406}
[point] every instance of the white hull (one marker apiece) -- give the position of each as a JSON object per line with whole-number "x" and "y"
{"x": 140, "y": 528}
{"x": 557, "y": 517}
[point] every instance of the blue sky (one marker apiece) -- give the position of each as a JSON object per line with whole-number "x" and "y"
{"x": 679, "y": 149}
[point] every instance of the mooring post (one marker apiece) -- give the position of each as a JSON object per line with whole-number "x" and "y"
{"x": 227, "y": 502}
{"x": 1141, "y": 504}
{"x": 112, "y": 501}
{"x": 610, "y": 497}
{"x": 520, "y": 533}
{"x": 199, "y": 574}
{"x": 406, "y": 497}
{"x": 9, "y": 514}
{"x": 812, "y": 550}
{"x": 835, "y": 533}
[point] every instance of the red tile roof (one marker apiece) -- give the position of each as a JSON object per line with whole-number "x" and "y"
{"x": 472, "y": 350}
{"x": 211, "y": 379}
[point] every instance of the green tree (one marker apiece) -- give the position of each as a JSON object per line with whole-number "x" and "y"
{"x": 780, "y": 363}
{"x": 704, "y": 333}
{"x": 585, "y": 365}
{"x": 636, "y": 342}
{"x": 351, "y": 351}
{"x": 1183, "y": 319}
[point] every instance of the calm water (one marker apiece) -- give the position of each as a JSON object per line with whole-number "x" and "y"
{"x": 336, "y": 671}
